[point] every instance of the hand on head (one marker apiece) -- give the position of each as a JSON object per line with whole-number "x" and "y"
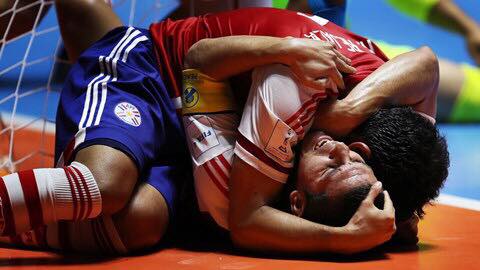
{"x": 370, "y": 226}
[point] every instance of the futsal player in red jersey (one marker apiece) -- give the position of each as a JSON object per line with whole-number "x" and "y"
{"x": 114, "y": 225}
{"x": 249, "y": 228}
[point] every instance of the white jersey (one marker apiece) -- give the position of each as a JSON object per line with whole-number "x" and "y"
{"x": 277, "y": 114}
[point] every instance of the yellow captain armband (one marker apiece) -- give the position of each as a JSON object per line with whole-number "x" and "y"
{"x": 203, "y": 94}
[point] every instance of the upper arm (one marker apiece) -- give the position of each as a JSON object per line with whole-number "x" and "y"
{"x": 276, "y": 115}
{"x": 249, "y": 190}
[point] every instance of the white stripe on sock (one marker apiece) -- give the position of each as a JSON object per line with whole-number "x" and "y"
{"x": 17, "y": 201}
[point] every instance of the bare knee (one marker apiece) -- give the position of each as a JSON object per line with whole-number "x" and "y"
{"x": 144, "y": 221}
{"x": 115, "y": 173}
{"x": 83, "y": 22}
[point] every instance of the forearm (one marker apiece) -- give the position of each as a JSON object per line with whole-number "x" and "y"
{"x": 256, "y": 226}
{"x": 223, "y": 57}
{"x": 271, "y": 230}
{"x": 448, "y": 15}
{"x": 409, "y": 79}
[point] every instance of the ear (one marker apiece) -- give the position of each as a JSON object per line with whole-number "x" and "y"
{"x": 297, "y": 202}
{"x": 361, "y": 148}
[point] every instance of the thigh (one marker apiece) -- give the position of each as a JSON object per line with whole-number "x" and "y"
{"x": 115, "y": 173}
{"x": 144, "y": 222}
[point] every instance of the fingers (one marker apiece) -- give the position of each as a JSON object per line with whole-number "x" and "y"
{"x": 342, "y": 57}
{"x": 332, "y": 89}
{"x": 373, "y": 193}
{"x": 343, "y": 63}
{"x": 325, "y": 86}
{"x": 337, "y": 78}
{"x": 344, "y": 66}
{"x": 320, "y": 84}
{"x": 388, "y": 204}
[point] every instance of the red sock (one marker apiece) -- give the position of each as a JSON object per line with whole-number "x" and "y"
{"x": 98, "y": 235}
{"x": 32, "y": 198}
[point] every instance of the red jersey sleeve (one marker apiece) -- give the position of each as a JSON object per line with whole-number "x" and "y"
{"x": 174, "y": 38}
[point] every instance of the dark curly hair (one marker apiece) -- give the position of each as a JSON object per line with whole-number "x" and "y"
{"x": 337, "y": 212}
{"x": 409, "y": 156}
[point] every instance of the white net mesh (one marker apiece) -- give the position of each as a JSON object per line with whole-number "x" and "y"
{"x": 32, "y": 68}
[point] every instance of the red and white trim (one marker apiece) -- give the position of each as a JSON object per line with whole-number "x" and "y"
{"x": 85, "y": 196}
{"x": 303, "y": 117}
{"x": 217, "y": 175}
{"x": 23, "y": 199}
{"x": 33, "y": 198}
{"x": 257, "y": 158}
{"x": 8, "y": 222}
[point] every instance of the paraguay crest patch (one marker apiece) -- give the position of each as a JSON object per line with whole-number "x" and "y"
{"x": 128, "y": 113}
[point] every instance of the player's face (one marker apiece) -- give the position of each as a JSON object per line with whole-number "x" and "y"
{"x": 332, "y": 167}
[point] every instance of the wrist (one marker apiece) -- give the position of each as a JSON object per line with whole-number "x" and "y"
{"x": 340, "y": 244}
{"x": 278, "y": 51}
{"x": 284, "y": 50}
{"x": 360, "y": 108}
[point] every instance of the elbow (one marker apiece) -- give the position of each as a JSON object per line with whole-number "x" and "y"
{"x": 192, "y": 59}
{"x": 236, "y": 235}
{"x": 242, "y": 233}
{"x": 189, "y": 61}
{"x": 239, "y": 234}
{"x": 428, "y": 59}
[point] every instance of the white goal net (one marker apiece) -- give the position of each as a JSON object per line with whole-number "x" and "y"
{"x": 32, "y": 68}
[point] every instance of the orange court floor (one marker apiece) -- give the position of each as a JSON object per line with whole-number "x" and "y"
{"x": 449, "y": 239}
